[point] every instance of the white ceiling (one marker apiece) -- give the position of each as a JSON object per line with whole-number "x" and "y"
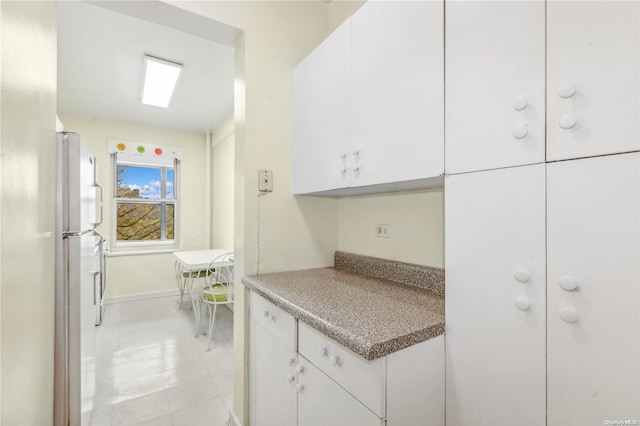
{"x": 100, "y": 62}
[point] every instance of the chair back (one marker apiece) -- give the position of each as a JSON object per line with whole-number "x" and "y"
{"x": 220, "y": 274}
{"x": 192, "y": 244}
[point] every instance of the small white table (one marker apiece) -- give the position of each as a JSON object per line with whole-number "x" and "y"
{"x": 191, "y": 265}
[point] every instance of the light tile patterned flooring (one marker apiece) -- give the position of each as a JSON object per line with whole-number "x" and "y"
{"x": 150, "y": 370}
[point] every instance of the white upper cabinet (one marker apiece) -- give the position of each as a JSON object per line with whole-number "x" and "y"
{"x": 369, "y": 103}
{"x": 593, "y": 64}
{"x": 398, "y": 92}
{"x": 495, "y": 84}
{"x": 593, "y": 290}
{"x": 322, "y": 115}
{"x": 495, "y": 297}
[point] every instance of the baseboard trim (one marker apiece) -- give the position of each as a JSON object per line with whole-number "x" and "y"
{"x": 233, "y": 419}
{"x": 140, "y": 296}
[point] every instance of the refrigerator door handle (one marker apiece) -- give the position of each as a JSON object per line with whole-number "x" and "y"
{"x": 95, "y": 296}
{"x": 97, "y": 185}
{"x": 72, "y": 234}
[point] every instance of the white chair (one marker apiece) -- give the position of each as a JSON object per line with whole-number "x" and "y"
{"x": 219, "y": 287}
{"x": 192, "y": 244}
{"x": 185, "y": 279}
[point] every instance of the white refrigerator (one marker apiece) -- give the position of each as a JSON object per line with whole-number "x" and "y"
{"x": 79, "y": 279}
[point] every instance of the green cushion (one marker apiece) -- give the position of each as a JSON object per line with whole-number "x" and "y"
{"x": 196, "y": 274}
{"x": 215, "y": 292}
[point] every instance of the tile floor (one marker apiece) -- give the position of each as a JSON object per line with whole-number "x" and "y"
{"x": 150, "y": 370}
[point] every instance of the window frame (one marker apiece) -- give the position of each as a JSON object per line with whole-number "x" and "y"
{"x": 143, "y": 246}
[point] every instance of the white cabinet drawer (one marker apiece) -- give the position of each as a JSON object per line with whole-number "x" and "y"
{"x": 274, "y": 319}
{"x": 363, "y": 379}
{"x": 322, "y": 402}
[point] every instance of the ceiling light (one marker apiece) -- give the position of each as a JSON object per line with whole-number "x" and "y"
{"x": 158, "y": 81}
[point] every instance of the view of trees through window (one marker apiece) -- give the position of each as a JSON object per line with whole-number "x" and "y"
{"x": 145, "y": 203}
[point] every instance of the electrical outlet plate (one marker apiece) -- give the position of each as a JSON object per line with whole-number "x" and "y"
{"x": 265, "y": 180}
{"x": 383, "y": 230}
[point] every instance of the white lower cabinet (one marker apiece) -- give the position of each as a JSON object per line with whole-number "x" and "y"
{"x": 322, "y": 383}
{"x": 530, "y": 344}
{"x": 274, "y": 379}
{"x": 322, "y": 402}
{"x": 273, "y": 361}
{"x": 593, "y": 290}
{"x": 495, "y": 297}
{"x": 363, "y": 379}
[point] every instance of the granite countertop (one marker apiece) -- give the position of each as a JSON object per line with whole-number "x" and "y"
{"x": 371, "y": 316}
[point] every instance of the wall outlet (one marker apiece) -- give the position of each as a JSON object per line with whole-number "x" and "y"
{"x": 265, "y": 180}
{"x": 383, "y": 230}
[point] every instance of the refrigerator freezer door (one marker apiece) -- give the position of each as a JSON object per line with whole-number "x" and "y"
{"x": 79, "y": 183}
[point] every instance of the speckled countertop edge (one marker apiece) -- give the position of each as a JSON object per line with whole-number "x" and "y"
{"x": 432, "y": 320}
{"x": 393, "y": 270}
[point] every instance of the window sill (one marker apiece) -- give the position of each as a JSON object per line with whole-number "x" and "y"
{"x": 134, "y": 248}
{"x": 140, "y": 252}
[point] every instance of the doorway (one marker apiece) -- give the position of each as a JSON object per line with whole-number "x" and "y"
{"x": 207, "y": 210}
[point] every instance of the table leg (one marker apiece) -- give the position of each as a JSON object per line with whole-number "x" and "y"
{"x": 181, "y": 280}
{"x": 195, "y": 300}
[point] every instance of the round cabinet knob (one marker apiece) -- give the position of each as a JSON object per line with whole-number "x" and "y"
{"x": 300, "y": 369}
{"x": 356, "y": 152}
{"x": 356, "y": 169}
{"x": 266, "y": 314}
{"x": 343, "y": 155}
{"x": 290, "y": 378}
{"x": 567, "y": 91}
{"x": 343, "y": 170}
{"x": 568, "y": 283}
{"x": 290, "y": 360}
{"x": 299, "y": 388}
{"x": 523, "y": 303}
{"x": 521, "y": 275}
{"x": 323, "y": 351}
{"x": 520, "y": 103}
{"x": 569, "y": 315}
{"x": 335, "y": 360}
{"x": 521, "y": 131}
{"x": 272, "y": 318}
{"x": 568, "y": 121}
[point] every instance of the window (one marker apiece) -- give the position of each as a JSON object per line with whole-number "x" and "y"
{"x": 145, "y": 205}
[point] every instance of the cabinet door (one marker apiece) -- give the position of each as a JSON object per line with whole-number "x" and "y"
{"x": 323, "y": 402}
{"x": 322, "y": 115}
{"x": 593, "y": 63}
{"x": 273, "y": 379}
{"x": 495, "y": 84}
{"x": 593, "y": 217}
{"x": 398, "y": 92}
{"x": 495, "y": 297}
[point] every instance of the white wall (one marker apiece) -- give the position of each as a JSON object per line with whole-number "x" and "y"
{"x": 340, "y": 10}
{"x": 296, "y": 233}
{"x": 27, "y": 211}
{"x": 223, "y": 181}
{"x": 417, "y": 226}
{"x": 144, "y": 273}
